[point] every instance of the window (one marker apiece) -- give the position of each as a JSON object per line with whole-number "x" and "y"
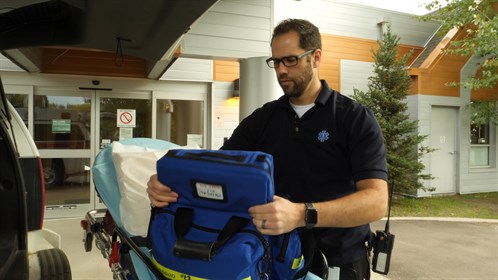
{"x": 20, "y": 102}
{"x": 62, "y": 122}
{"x": 480, "y": 145}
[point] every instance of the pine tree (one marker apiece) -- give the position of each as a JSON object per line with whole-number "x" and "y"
{"x": 386, "y": 97}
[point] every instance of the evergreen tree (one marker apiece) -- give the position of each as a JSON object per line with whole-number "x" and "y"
{"x": 386, "y": 97}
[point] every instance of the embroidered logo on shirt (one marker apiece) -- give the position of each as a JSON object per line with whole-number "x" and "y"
{"x": 323, "y": 136}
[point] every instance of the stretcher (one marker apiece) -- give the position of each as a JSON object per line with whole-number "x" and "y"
{"x": 122, "y": 245}
{"x": 127, "y": 254}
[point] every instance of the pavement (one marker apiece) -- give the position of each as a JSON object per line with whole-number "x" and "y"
{"x": 442, "y": 248}
{"x": 424, "y": 249}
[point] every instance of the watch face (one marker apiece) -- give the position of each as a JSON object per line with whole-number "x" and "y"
{"x": 311, "y": 216}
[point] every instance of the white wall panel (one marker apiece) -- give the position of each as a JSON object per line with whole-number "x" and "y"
{"x": 469, "y": 180}
{"x": 231, "y": 29}
{"x": 180, "y": 89}
{"x": 256, "y": 8}
{"x": 475, "y": 179}
{"x": 235, "y": 32}
{"x": 190, "y": 69}
{"x": 230, "y": 48}
{"x": 354, "y": 75}
{"x": 353, "y": 20}
{"x": 7, "y": 65}
{"x": 225, "y": 113}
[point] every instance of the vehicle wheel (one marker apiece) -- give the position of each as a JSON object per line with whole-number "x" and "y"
{"x": 54, "y": 265}
{"x": 54, "y": 173}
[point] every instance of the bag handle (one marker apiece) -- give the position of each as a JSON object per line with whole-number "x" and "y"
{"x": 217, "y": 156}
{"x": 185, "y": 248}
{"x": 208, "y": 154}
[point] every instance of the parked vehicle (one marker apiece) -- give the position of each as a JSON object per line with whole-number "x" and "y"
{"x": 27, "y": 250}
{"x": 61, "y": 129}
{"x": 75, "y": 134}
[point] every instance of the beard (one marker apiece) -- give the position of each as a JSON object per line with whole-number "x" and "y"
{"x": 296, "y": 88}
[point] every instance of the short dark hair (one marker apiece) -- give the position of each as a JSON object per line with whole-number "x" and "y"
{"x": 309, "y": 35}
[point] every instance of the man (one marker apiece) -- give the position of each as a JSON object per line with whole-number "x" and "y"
{"x": 329, "y": 156}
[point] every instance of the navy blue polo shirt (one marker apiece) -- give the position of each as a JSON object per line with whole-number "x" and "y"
{"x": 319, "y": 157}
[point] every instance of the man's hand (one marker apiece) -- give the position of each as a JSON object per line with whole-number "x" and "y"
{"x": 277, "y": 217}
{"x": 160, "y": 195}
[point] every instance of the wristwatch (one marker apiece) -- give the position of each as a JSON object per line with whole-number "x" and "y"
{"x": 310, "y": 215}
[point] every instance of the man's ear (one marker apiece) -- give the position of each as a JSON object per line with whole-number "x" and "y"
{"x": 317, "y": 58}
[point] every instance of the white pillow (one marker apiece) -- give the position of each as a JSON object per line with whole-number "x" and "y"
{"x": 134, "y": 165}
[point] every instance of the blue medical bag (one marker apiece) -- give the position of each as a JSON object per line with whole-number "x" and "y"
{"x": 208, "y": 233}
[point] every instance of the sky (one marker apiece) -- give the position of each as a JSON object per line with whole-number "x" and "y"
{"x": 415, "y": 7}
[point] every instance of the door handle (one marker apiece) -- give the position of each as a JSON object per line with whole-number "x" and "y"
{"x": 453, "y": 153}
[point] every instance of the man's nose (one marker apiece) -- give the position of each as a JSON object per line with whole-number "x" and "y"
{"x": 281, "y": 68}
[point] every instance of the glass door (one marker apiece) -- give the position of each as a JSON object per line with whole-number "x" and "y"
{"x": 71, "y": 126}
{"x": 122, "y": 115}
{"x": 62, "y": 125}
{"x": 181, "y": 119}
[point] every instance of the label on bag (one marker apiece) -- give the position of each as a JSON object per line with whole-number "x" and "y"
{"x": 209, "y": 191}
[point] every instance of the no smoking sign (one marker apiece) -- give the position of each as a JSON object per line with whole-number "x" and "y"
{"x": 126, "y": 118}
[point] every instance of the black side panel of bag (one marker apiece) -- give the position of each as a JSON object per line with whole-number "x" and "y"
{"x": 314, "y": 260}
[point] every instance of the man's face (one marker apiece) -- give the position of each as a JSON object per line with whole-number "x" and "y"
{"x": 292, "y": 79}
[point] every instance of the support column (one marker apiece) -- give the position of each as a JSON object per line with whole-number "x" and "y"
{"x": 258, "y": 85}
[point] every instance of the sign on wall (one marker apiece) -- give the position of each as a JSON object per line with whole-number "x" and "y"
{"x": 61, "y": 126}
{"x": 126, "y": 118}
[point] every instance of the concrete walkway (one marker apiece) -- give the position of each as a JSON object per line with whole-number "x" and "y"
{"x": 424, "y": 249}
{"x": 442, "y": 248}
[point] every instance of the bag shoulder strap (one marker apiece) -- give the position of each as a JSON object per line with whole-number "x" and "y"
{"x": 308, "y": 248}
{"x": 202, "y": 250}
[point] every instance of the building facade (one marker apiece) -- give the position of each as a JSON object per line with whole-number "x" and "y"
{"x": 193, "y": 101}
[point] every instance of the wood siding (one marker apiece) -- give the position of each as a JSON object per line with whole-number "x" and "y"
{"x": 334, "y": 49}
{"x": 436, "y": 72}
{"x": 487, "y": 93}
{"x": 337, "y": 48}
{"x": 439, "y": 69}
{"x": 96, "y": 63}
{"x": 226, "y": 71}
{"x": 435, "y": 80}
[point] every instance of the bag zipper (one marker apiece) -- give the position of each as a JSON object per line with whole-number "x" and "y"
{"x": 269, "y": 170}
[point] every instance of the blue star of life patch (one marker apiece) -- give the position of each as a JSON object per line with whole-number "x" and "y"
{"x": 323, "y": 136}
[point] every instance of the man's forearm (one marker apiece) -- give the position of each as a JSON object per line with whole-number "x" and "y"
{"x": 364, "y": 206}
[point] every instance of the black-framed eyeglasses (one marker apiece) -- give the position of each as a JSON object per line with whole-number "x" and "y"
{"x": 287, "y": 61}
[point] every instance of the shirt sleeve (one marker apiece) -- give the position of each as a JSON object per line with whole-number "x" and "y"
{"x": 367, "y": 149}
{"x": 244, "y": 137}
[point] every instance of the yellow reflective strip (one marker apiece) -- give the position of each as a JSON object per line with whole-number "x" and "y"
{"x": 297, "y": 262}
{"x": 172, "y": 274}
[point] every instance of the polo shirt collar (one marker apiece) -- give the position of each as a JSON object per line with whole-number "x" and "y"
{"x": 322, "y": 98}
{"x": 324, "y": 94}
